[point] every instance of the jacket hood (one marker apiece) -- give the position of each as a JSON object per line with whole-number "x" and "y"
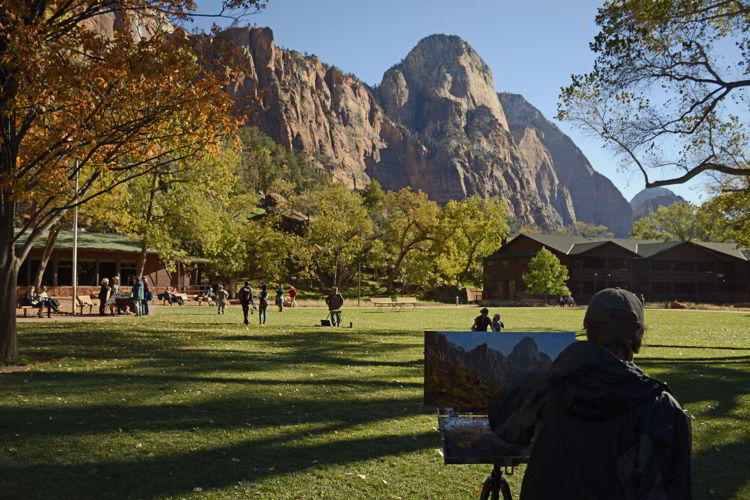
{"x": 587, "y": 381}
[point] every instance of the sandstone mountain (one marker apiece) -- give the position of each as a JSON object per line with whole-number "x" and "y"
{"x": 434, "y": 123}
{"x": 649, "y": 200}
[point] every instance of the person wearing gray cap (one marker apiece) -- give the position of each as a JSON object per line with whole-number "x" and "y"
{"x": 598, "y": 425}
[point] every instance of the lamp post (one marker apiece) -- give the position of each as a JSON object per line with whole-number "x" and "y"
{"x": 75, "y": 246}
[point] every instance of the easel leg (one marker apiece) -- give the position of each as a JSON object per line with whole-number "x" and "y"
{"x": 494, "y": 485}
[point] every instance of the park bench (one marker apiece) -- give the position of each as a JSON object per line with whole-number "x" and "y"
{"x": 83, "y": 301}
{"x": 404, "y": 301}
{"x": 465, "y": 433}
{"x": 531, "y": 301}
{"x": 382, "y": 302}
{"x": 25, "y": 309}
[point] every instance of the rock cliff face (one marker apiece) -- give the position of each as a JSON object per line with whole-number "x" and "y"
{"x": 649, "y": 201}
{"x": 595, "y": 199}
{"x": 435, "y": 123}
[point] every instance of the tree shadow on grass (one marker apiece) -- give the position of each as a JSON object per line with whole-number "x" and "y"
{"x": 728, "y": 348}
{"x": 253, "y": 449}
{"x": 716, "y": 388}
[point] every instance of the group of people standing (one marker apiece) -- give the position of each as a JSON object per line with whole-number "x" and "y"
{"x": 247, "y": 301}
{"x": 140, "y": 295}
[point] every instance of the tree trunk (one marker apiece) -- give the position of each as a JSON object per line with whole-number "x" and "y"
{"x": 9, "y": 266}
{"x": 46, "y": 254}
{"x": 149, "y": 215}
{"x": 8, "y": 342}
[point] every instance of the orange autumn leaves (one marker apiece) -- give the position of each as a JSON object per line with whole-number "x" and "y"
{"x": 120, "y": 103}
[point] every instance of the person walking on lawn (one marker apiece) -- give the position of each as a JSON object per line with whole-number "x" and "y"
{"x": 222, "y": 296}
{"x": 292, "y": 296}
{"x": 246, "y": 300}
{"x": 335, "y": 302}
{"x": 262, "y": 304}
{"x": 280, "y": 298}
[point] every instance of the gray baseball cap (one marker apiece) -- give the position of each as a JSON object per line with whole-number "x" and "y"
{"x": 614, "y": 306}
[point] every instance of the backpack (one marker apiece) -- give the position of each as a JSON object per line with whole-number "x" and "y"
{"x": 245, "y": 295}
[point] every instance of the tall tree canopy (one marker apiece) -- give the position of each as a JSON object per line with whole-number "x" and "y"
{"x": 683, "y": 221}
{"x": 78, "y": 99}
{"x": 669, "y": 88}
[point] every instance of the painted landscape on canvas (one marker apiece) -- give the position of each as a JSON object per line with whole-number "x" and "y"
{"x": 466, "y": 369}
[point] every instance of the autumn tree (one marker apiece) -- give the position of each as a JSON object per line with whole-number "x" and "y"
{"x": 669, "y": 88}
{"x": 546, "y": 275}
{"x": 102, "y": 108}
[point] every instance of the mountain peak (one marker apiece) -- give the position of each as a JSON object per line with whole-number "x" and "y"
{"x": 446, "y": 71}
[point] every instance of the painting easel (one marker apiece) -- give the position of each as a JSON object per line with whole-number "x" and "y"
{"x": 463, "y": 371}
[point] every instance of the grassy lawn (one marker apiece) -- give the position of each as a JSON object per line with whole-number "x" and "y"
{"x": 186, "y": 403}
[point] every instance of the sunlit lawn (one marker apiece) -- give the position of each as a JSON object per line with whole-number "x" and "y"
{"x": 187, "y": 403}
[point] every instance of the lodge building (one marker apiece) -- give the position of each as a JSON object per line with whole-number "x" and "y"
{"x": 101, "y": 255}
{"x": 675, "y": 270}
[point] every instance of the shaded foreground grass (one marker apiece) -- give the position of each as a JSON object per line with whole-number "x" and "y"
{"x": 186, "y": 403}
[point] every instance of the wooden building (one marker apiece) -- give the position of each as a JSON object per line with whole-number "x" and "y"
{"x": 675, "y": 270}
{"x": 101, "y": 255}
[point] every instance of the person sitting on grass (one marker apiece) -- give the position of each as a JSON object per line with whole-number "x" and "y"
{"x": 600, "y": 427}
{"x": 497, "y": 325}
{"x": 482, "y": 322}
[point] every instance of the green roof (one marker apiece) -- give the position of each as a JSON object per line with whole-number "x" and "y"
{"x": 575, "y": 245}
{"x": 105, "y": 242}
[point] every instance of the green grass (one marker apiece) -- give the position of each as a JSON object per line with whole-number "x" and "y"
{"x": 186, "y": 403}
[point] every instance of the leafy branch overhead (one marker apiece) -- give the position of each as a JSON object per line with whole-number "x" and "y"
{"x": 669, "y": 88}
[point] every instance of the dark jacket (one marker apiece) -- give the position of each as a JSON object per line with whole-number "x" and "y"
{"x": 601, "y": 429}
{"x": 335, "y": 301}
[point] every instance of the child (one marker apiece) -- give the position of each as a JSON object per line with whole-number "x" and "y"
{"x": 497, "y": 325}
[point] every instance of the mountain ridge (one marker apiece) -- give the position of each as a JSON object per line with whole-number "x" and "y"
{"x": 435, "y": 123}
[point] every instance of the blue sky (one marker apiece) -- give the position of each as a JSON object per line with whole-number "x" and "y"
{"x": 532, "y": 47}
{"x": 550, "y": 343}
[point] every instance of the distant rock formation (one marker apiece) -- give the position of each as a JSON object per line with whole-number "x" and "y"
{"x": 595, "y": 199}
{"x": 434, "y": 123}
{"x": 650, "y": 200}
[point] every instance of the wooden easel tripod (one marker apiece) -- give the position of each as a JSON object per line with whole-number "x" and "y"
{"x": 496, "y": 484}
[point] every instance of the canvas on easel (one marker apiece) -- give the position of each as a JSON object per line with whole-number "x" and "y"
{"x": 464, "y": 370}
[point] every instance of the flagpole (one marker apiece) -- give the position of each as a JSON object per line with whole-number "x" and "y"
{"x": 75, "y": 245}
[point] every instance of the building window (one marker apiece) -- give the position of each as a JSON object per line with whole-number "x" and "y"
{"x": 87, "y": 273}
{"x": 594, "y": 262}
{"x": 661, "y": 265}
{"x": 505, "y": 264}
{"x": 107, "y": 270}
{"x": 686, "y": 288}
{"x": 619, "y": 263}
{"x": 705, "y": 267}
{"x": 64, "y": 273}
{"x": 684, "y": 266}
{"x": 127, "y": 273}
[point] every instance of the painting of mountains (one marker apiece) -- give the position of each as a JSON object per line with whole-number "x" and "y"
{"x": 466, "y": 369}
